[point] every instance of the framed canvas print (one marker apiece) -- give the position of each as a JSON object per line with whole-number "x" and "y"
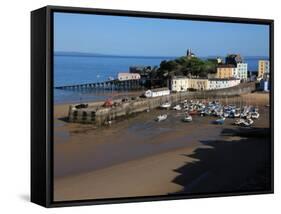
{"x": 134, "y": 106}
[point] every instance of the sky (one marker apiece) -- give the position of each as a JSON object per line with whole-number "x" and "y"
{"x": 131, "y": 36}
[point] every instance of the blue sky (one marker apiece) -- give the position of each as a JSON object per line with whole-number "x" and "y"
{"x": 156, "y": 37}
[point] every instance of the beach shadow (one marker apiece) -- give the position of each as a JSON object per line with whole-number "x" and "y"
{"x": 228, "y": 166}
{"x": 64, "y": 119}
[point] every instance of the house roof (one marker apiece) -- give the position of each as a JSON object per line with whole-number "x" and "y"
{"x": 226, "y": 66}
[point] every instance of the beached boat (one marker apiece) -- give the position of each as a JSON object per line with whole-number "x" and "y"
{"x": 161, "y": 117}
{"x": 187, "y": 118}
{"x": 255, "y": 115}
{"x": 239, "y": 122}
{"x": 177, "y": 107}
{"x": 250, "y": 121}
{"x": 165, "y": 105}
{"x": 225, "y": 114}
{"x": 247, "y": 123}
{"x": 249, "y": 115}
{"x": 184, "y": 102}
{"x": 236, "y": 114}
{"x": 244, "y": 122}
{"x": 220, "y": 121}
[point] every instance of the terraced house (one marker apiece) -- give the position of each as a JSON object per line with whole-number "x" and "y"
{"x": 225, "y": 71}
{"x": 241, "y": 71}
{"x": 179, "y": 84}
{"x": 223, "y": 83}
{"x": 263, "y": 68}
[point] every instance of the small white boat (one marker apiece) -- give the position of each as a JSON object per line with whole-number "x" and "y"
{"x": 187, "y": 118}
{"x": 177, "y": 107}
{"x": 225, "y": 114}
{"x": 161, "y": 117}
{"x": 184, "y": 102}
{"x": 250, "y": 121}
{"x": 255, "y": 115}
{"x": 220, "y": 121}
{"x": 247, "y": 123}
{"x": 236, "y": 114}
{"x": 239, "y": 122}
{"x": 166, "y": 105}
{"x": 248, "y": 116}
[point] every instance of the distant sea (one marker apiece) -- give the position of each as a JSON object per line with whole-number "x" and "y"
{"x": 76, "y": 69}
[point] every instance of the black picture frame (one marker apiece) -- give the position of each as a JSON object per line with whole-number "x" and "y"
{"x": 42, "y": 102}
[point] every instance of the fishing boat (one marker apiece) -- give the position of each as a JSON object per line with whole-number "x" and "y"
{"x": 220, "y": 121}
{"x": 236, "y": 114}
{"x": 250, "y": 121}
{"x": 184, "y": 102}
{"x": 161, "y": 117}
{"x": 177, "y": 107}
{"x": 239, "y": 121}
{"x": 225, "y": 114}
{"x": 187, "y": 118}
{"x": 247, "y": 123}
{"x": 249, "y": 115}
{"x": 165, "y": 105}
{"x": 255, "y": 115}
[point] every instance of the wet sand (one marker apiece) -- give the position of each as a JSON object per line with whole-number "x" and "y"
{"x": 134, "y": 157}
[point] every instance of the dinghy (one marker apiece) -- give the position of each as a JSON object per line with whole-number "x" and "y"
{"x": 161, "y": 117}
{"x": 220, "y": 121}
{"x": 187, "y": 118}
{"x": 166, "y": 105}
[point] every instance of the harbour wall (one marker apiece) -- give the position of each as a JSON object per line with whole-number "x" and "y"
{"x": 99, "y": 115}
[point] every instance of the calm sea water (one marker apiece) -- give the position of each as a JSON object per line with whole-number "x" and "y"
{"x": 86, "y": 69}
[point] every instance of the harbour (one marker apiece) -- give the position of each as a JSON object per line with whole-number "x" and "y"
{"x": 152, "y": 125}
{"x": 141, "y": 143}
{"x": 99, "y": 114}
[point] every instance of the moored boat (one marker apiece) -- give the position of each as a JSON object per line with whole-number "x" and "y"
{"x": 220, "y": 121}
{"x": 165, "y": 105}
{"x": 187, "y": 118}
{"x": 255, "y": 115}
{"x": 177, "y": 107}
{"x": 161, "y": 117}
{"x": 239, "y": 121}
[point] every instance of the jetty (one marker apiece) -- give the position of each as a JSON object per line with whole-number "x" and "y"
{"x": 105, "y": 85}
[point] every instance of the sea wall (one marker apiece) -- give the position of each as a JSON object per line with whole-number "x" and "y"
{"x": 99, "y": 115}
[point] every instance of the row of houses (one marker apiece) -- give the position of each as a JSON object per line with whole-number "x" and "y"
{"x": 234, "y": 67}
{"x": 178, "y": 84}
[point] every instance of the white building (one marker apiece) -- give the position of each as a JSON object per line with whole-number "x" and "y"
{"x": 157, "y": 92}
{"x": 222, "y": 83}
{"x": 183, "y": 83}
{"x": 241, "y": 71}
{"x": 179, "y": 84}
{"x": 128, "y": 76}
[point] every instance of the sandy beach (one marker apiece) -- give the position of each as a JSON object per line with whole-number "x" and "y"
{"x": 140, "y": 157}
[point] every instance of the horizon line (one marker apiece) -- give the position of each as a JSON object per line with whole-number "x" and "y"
{"x": 78, "y": 53}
